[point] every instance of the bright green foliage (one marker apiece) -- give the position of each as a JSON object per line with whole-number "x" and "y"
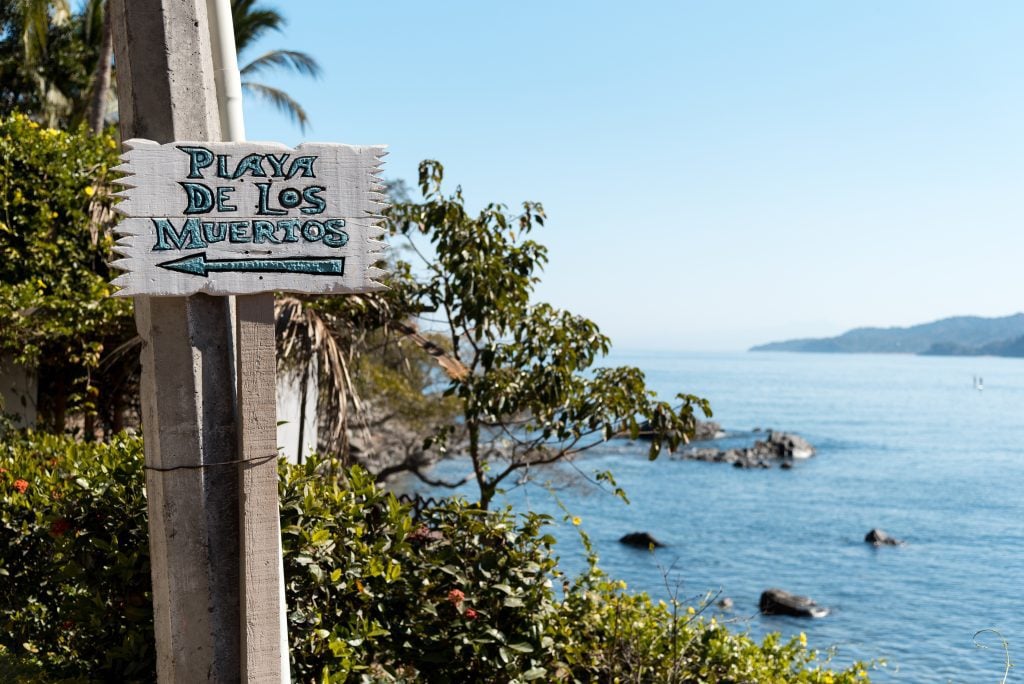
{"x": 370, "y": 591}
{"x": 530, "y": 394}
{"x": 74, "y": 560}
{"x": 55, "y": 244}
{"x": 458, "y": 595}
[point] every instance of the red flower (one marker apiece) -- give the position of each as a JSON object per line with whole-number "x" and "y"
{"x": 456, "y": 596}
{"x": 59, "y": 526}
{"x": 21, "y": 486}
{"x": 67, "y": 624}
{"x": 470, "y": 614}
{"x": 424, "y": 534}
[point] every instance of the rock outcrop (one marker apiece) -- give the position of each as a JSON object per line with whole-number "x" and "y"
{"x": 879, "y": 537}
{"x": 778, "y": 447}
{"x": 779, "y": 602}
{"x": 641, "y": 540}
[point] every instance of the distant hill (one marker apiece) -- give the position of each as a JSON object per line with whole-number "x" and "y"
{"x": 957, "y": 336}
{"x": 1014, "y": 347}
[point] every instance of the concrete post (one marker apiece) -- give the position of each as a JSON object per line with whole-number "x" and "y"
{"x": 165, "y": 93}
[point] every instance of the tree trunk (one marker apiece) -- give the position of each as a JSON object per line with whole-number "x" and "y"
{"x": 101, "y": 78}
{"x": 485, "y": 485}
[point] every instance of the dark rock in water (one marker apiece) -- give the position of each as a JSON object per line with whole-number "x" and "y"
{"x": 779, "y": 602}
{"x": 779, "y": 447}
{"x": 785, "y": 445}
{"x": 725, "y": 603}
{"x": 641, "y": 540}
{"x": 880, "y": 538}
{"x": 786, "y": 465}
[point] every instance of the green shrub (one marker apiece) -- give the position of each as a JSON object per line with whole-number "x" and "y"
{"x": 74, "y": 558}
{"x": 374, "y": 595}
{"x": 55, "y": 247}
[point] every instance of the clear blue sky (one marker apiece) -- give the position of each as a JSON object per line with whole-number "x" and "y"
{"x": 716, "y": 173}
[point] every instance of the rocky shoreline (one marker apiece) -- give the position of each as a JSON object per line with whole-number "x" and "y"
{"x": 778, "y": 448}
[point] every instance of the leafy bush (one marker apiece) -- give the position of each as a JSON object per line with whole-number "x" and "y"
{"x": 370, "y": 591}
{"x": 374, "y": 594}
{"x": 74, "y": 559}
{"x": 55, "y": 244}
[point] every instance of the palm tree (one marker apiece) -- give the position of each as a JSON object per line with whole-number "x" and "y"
{"x": 96, "y": 24}
{"x": 37, "y": 78}
{"x": 252, "y": 22}
{"x": 30, "y": 82}
{"x": 36, "y": 16}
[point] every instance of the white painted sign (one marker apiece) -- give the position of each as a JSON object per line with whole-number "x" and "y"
{"x": 240, "y": 218}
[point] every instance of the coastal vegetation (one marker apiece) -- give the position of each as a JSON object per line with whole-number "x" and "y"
{"x": 376, "y": 592}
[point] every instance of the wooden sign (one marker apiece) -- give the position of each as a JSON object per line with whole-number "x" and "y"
{"x": 240, "y": 218}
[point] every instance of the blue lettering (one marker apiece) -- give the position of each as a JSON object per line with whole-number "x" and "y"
{"x": 312, "y": 230}
{"x": 263, "y": 209}
{"x": 277, "y": 163}
{"x": 222, "y": 166}
{"x": 289, "y": 198}
{"x": 304, "y": 164}
{"x": 222, "y": 198}
{"x": 215, "y": 231}
{"x": 187, "y": 238}
{"x": 238, "y": 232}
{"x": 312, "y": 195}
{"x": 252, "y": 164}
{"x": 289, "y": 226}
{"x": 200, "y": 198}
{"x": 263, "y": 231}
{"x": 198, "y": 158}
{"x": 334, "y": 235}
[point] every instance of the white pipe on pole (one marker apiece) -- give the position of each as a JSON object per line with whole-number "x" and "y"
{"x": 228, "y": 82}
{"x": 225, "y": 66}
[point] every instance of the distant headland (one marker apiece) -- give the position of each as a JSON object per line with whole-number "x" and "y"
{"x": 957, "y": 336}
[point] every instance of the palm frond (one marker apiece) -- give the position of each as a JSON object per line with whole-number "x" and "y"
{"x": 455, "y": 369}
{"x": 93, "y": 18}
{"x": 289, "y": 59}
{"x": 280, "y": 99}
{"x": 305, "y": 340}
{"x": 252, "y": 22}
{"x": 37, "y": 15}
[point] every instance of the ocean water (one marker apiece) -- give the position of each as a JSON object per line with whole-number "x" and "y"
{"x": 904, "y": 443}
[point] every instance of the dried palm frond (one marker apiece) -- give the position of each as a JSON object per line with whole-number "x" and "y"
{"x": 455, "y": 369}
{"x": 306, "y": 342}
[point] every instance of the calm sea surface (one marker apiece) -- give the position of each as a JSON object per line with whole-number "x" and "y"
{"x": 904, "y": 443}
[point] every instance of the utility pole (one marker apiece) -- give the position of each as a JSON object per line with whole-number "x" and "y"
{"x": 166, "y": 92}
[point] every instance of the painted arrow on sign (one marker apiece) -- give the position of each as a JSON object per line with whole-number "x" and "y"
{"x": 198, "y": 264}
